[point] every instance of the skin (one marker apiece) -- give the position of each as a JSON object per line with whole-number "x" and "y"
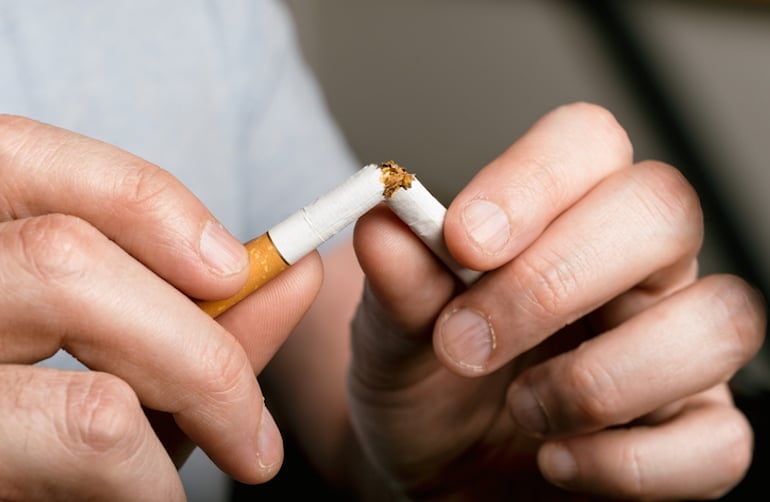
{"x": 600, "y": 321}
{"x": 101, "y": 252}
{"x": 603, "y": 358}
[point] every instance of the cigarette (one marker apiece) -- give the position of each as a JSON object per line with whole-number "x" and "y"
{"x": 424, "y": 215}
{"x": 290, "y": 240}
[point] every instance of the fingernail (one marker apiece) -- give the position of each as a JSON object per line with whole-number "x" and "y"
{"x": 221, "y": 251}
{"x": 527, "y": 410}
{"x": 487, "y": 225}
{"x": 269, "y": 444}
{"x": 558, "y": 463}
{"x": 467, "y": 338}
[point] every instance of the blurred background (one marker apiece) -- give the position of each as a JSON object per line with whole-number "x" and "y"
{"x": 443, "y": 86}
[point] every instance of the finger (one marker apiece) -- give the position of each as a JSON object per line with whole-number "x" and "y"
{"x": 392, "y": 354}
{"x": 626, "y": 232}
{"x": 669, "y": 461}
{"x": 695, "y": 339}
{"x": 398, "y": 264}
{"x": 263, "y": 321}
{"x": 144, "y": 209}
{"x": 177, "y": 444}
{"x": 511, "y": 201}
{"x": 78, "y": 436}
{"x": 175, "y": 357}
{"x": 406, "y": 287}
{"x": 650, "y": 291}
{"x": 316, "y": 346}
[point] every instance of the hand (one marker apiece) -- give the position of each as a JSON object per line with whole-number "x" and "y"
{"x": 589, "y": 358}
{"x": 99, "y": 254}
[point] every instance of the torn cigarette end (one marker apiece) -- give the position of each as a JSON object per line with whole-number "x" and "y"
{"x": 305, "y": 230}
{"x": 394, "y": 177}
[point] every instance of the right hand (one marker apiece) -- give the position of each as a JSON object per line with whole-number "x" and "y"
{"x": 591, "y": 358}
{"x": 100, "y": 253}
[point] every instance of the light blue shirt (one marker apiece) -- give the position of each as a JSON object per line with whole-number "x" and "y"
{"x": 213, "y": 91}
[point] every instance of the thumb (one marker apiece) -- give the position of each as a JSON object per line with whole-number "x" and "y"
{"x": 406, "y": 288}
{"x": 144, "y": 209}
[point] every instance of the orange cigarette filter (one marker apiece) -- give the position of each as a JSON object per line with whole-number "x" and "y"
{"x": 265, "y": 262}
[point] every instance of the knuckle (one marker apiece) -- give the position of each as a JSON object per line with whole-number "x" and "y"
{"x": 13, "y": 130}
{"x": 56, "y": 247}
{"x": 102, "y": 414}
{"x": 743, "y": 314}
{"x": 737, "y": 453}
{"x": 548, "y": 284}
{"x": 22, "y": 138}
{"x": 145, "y": 187}
{"x": 16, "y": 133}
{"x": 604, "y": 127}
{"x": 7, "y": 120}
{"x": 593, "y": 392}
{"x": 631, "y": 481}
{"x": 670, "y": 198}
{"x": 546, "y": 178}
{"x": 222, "y": 373}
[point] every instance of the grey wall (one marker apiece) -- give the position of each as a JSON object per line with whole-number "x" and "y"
{"x": 442, "y": 86}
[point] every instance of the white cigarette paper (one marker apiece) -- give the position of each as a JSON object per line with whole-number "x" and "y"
{"x": 302, "y": 232}
{"x": 317, "y": 222}
{"x": 320, "y": 220}
{"x": 424, "y": 214}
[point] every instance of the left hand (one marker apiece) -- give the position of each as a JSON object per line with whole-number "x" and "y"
{"x": 100, "y": 252}
{"x": 591, "y": 352}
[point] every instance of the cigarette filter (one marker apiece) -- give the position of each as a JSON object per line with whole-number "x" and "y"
{"x": 265, "y": 262}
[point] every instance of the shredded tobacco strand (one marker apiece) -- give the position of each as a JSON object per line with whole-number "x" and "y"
{"x": 394, "y": 177}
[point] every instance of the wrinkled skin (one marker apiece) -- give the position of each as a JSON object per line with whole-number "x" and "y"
{"x": 600, "y": 359}
{"x": 100, "y": 253}
{"x": 596, "y": 340}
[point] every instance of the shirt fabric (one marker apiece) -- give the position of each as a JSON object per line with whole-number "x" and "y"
{"x": 215, "y": 92}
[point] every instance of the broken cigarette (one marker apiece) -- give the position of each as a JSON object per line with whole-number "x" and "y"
{"x": 304, "y": 231}
{"x": 424, "y": 214}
